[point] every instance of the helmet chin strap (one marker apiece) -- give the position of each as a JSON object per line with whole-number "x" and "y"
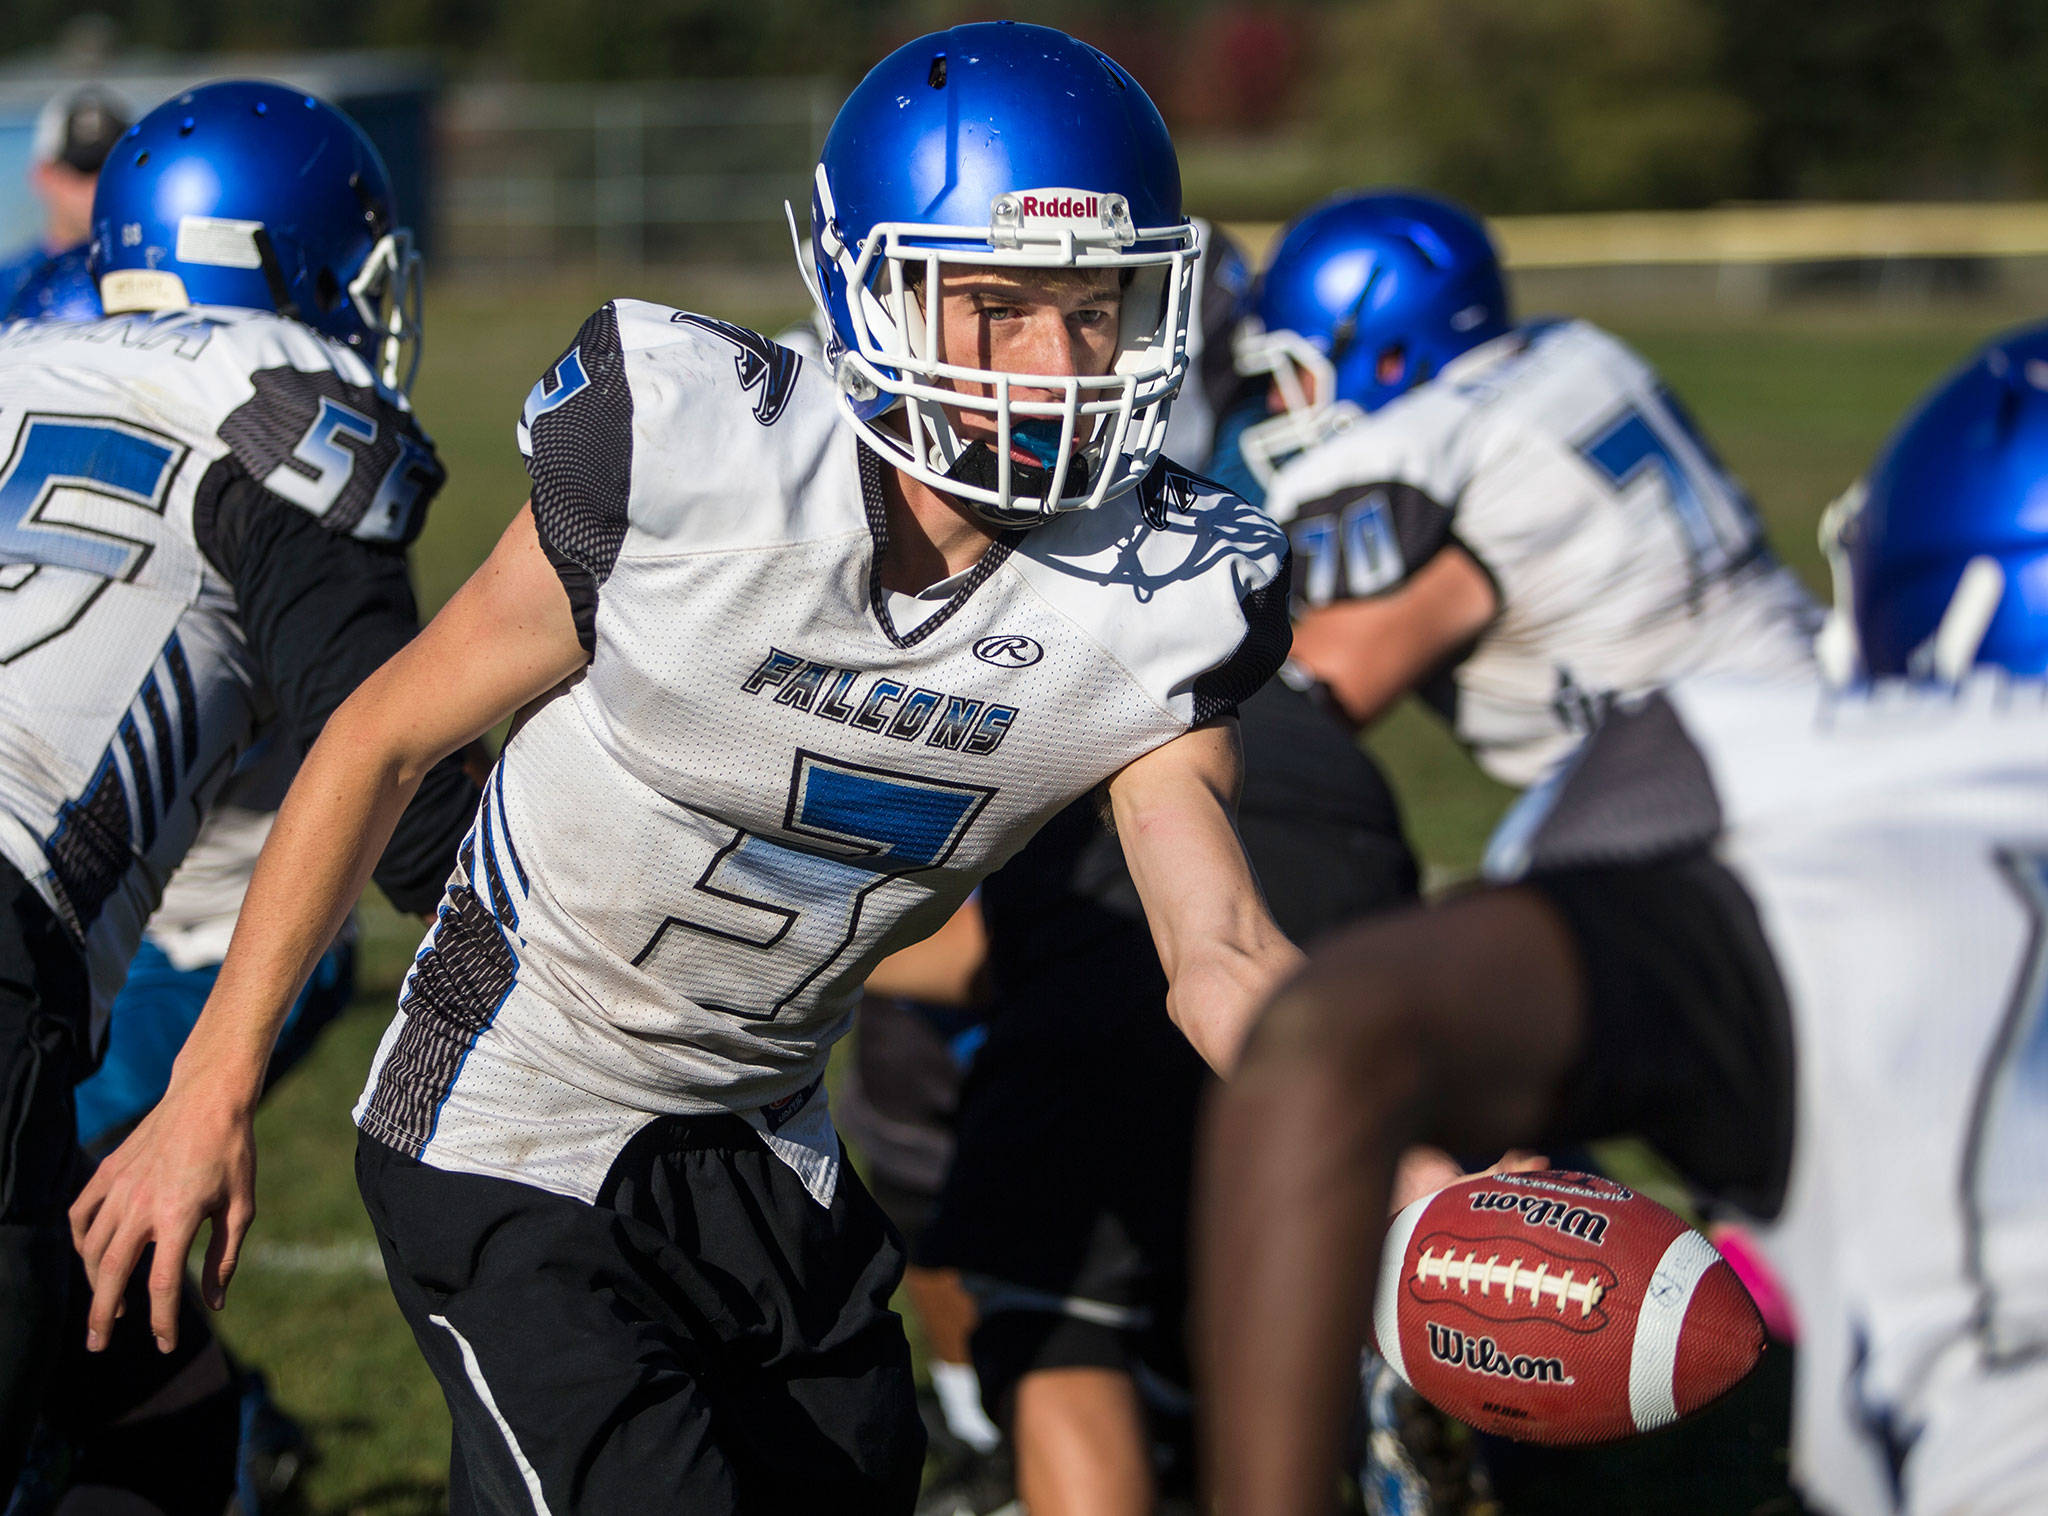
{"x": 1836, "y": 648}
{"x": 978, "y": 467}
{"x": 1950, "y": 652}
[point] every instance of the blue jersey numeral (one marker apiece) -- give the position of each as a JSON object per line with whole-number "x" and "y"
{"x": 1349, "y": 555}
{"x": 767, "y": 918}
{"x": 325, "y": 465}
{"x": 81, "y": 504}
{"x": 1718, "y": 523}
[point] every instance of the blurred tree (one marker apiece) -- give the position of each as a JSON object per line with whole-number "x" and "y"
{"x": 1241, "y": 68}
{"x": 545, "y": 39}
{"x": 1511, "y": 104}
{"x": 1888, "y": 98}
{"x": 1561, "y": 105}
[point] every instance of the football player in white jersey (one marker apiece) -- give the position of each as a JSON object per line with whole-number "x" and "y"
{"x": 1512, "y": 521}
{"x": 204, "y": 507}
{"x": 802, "y": 653}
{"x": 1797, "y": 938}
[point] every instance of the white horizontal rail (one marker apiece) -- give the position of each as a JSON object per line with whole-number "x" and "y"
{"x": 1755, "y": 234}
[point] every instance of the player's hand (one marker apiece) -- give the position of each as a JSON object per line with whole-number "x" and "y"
{"x": 1425, "y": 1170}
{"x": 193, "y": 1158}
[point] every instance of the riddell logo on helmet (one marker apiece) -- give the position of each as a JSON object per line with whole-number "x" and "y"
{"x": 1063, "y": 205}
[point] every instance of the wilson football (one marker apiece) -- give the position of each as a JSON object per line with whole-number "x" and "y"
{"x": 1560, "y": 1308}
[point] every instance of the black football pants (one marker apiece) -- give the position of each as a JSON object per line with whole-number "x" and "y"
{"x": 705, "y": 1337}
{"x": 110, "y": 1409}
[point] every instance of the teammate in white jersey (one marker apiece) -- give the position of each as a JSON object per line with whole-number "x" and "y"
{"x": 1798, "y": 939}
{"x": 1514, "y": 522}
{"x": 204, "y": 507}
{"x": 810, "y": 651}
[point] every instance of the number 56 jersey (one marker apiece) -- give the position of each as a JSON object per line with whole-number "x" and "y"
{"x": 202, "y": 518}
{"x": 773, "y": 772}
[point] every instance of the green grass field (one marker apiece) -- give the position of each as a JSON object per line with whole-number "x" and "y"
{"x": 1796, "y": 402}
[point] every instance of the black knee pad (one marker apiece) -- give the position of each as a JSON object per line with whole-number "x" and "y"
{"x": 1011, "y": 1344}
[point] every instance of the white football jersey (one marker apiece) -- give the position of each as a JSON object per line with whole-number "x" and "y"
{"x": 1622, "y": 554}
{"x": 772, "y": 773}
{"x": 1894, "y": 844}
{"x": 127, "y": 685}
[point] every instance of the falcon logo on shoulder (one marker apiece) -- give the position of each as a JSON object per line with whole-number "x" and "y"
{"x": 761, "y": 364}
{"x": 1011, "y": 651}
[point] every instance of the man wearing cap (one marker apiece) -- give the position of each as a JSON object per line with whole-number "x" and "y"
{"x": 74, "y": 134}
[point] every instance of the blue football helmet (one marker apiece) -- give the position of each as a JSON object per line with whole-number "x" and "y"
{"x": 60, "y": 290}
{"x": 1368, "y": 295}
{"x": 250, "y": 194}
{"x": 1001, "y": 145}
{"x": 1940, "y": 557}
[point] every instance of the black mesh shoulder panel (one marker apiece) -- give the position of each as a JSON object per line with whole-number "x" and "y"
{"x": 345, "y": 452}
{"x": 579, "y": 425}
{"x": 1268, "y": 634}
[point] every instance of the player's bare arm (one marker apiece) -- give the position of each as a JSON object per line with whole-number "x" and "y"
{"x": 1220, "y": 948}
{"x": 505, "y": 638}
{"x": 1372, "y": 652}
{"x": 1354, "y": 1062}
{"x": 947, "y": 968}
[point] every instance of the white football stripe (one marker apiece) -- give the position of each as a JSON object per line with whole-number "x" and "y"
{"x": 477, "y": 1381}
{"x": 1386, "y": 1304}
{"x": 1652, "y": 1400}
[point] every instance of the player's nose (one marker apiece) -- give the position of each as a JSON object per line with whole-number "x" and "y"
{"x": 1049, "y": 346}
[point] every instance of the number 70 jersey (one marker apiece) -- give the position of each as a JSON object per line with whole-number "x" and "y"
{"x": 1621, "y": 553}
{"x": 127, "y": 682}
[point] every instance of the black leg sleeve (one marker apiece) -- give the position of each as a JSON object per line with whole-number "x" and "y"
{"x": 45, "y": 1010}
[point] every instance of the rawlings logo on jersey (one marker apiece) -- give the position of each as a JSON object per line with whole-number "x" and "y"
{"x": 954, "y": 723}
{"x": 761, "y": 364}
{"x": 1010, "y": 651}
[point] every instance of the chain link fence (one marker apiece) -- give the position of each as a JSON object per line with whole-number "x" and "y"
{"x": 543, "y": 177}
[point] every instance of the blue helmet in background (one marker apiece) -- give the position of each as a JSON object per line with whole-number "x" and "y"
{"x": 1010, "y": 146}
{"x": 1941, "y": 556}
{"x": 61, "y": 290}
{"x": 1368, "y": 295}
{"x": 247, "y": 193}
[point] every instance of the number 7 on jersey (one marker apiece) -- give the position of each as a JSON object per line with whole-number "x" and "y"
{"x": 778, "y": 916}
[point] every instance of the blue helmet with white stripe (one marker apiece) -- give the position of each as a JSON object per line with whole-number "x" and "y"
{"x": 247, "y": 193}
{"x": 1363, "y": 298}
{"x": 1001, "y": 145}
{"x": 1941, "y": 556}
